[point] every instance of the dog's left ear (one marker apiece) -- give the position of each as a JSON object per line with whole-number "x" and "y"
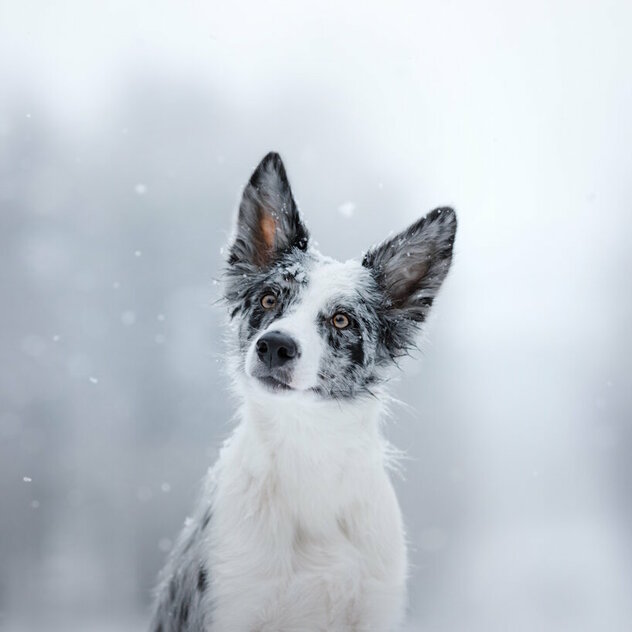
{"x": 268, "y": 223}
{"x": 411, "y": 266}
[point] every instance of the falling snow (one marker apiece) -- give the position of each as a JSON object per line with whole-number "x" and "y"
{"x": 347, "y": 209}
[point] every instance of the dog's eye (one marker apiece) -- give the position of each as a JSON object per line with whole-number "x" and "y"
{"x": 340, "y": 321}
{"x": 268, "y": 301}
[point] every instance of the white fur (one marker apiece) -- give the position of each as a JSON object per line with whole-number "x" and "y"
{"x": 306, "y": 533}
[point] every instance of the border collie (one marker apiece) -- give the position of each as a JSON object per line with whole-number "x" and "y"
{"x": 298, "y": 528}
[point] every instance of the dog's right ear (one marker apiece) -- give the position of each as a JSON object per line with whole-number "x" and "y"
{"x": 268, "y": 223}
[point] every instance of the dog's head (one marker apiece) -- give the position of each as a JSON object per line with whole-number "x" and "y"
{"x": 307, "y": 323}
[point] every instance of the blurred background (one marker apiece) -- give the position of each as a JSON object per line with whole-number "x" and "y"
{"x": 127, "y": 130}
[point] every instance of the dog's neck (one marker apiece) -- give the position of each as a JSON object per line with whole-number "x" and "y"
{"x": 296, "y": 442}
{"x": 290, "y": 417}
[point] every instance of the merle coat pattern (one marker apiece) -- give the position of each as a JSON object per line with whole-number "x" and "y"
{"x": 298, "y": 527}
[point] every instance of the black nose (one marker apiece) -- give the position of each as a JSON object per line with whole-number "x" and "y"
{"x": 275, "y": 349}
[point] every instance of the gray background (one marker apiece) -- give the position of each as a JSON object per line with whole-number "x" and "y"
{"x": 126, "y": 132}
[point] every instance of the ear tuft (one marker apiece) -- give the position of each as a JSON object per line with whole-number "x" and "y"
{"x": 268, "y": 223}
{"x": 411, "y": 266}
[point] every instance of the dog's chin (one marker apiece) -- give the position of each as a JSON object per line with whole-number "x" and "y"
{"x": 273, "y": 385}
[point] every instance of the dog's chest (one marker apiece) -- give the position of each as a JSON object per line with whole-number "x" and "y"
{"x": 293, "y": 582}
{"x": 300, "y": 545}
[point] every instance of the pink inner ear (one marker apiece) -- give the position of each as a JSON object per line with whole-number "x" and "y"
{"x": 267, "y": 225}
{"x": 407, "y": 279}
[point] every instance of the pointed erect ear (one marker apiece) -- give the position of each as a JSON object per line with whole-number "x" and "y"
{"x": 268, "y": 223}
{"x": 411, "y": 266}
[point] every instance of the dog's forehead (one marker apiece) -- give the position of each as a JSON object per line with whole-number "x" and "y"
{"x": 330, "y": 279}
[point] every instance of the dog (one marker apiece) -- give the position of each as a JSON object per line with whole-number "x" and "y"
{"x": 298, "y": 528}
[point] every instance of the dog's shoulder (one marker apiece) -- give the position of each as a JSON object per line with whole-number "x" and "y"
{"x": 183, "y": 600}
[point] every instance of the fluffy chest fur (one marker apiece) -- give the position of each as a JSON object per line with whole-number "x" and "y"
{"x": 306, "y": 533}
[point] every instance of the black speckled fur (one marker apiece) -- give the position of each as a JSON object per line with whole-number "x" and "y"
{"x": 183, "y": 601}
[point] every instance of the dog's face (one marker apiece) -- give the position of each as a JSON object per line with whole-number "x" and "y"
{"x": 307, "y": 323}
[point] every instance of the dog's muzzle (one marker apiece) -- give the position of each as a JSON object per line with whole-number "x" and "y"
{"x": 276, "y": 353}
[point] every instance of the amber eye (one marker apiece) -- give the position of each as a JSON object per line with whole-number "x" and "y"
{"x": 268, "y": 301}
{"x": 340, "y": 321}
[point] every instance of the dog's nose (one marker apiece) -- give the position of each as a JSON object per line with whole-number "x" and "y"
{"x": 275, "y": 349}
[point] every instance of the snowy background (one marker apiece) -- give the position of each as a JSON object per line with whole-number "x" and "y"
{"x": 126, "y": 132}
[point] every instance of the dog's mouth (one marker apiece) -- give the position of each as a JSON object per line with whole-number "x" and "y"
{"x": 274, "y": 385}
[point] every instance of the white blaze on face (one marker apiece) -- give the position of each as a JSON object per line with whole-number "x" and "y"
{"x": 329, "y": 282}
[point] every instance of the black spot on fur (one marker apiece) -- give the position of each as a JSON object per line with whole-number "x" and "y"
{"x": 184, "y": 611}
{"x": 201, "y": 582}
{"x": 255, "y": 319}
{"x": 189, "y": 543}
{"x": 357, "y": 352}
{"x": 207, "y": 518}
{"x": 172, "y": 589}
